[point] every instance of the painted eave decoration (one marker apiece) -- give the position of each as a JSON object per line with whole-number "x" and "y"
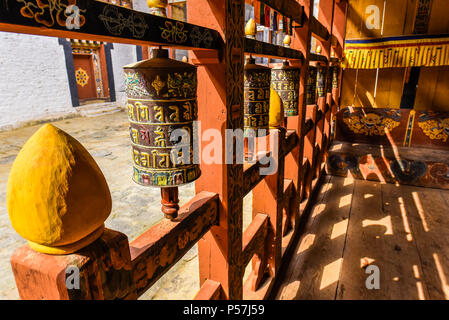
{"x": 397, "y": 52}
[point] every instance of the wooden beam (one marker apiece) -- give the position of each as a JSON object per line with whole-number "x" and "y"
{"x": 101, "y": 21}
{"x": 268, "y": 50}
{"x": 254, "y": 237}
{"x": 155, "y": 251}
{"x": 289, "y": 8}
{"x": 210, "y": 290}
{"x": 251, "y": 172}
{"x": 318, "y": 30}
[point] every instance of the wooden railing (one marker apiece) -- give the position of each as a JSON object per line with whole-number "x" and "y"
{"x": 113, "y": 267}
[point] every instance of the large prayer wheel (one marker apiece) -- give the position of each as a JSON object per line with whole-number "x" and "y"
{"x": 162, "y": 105}
{"x": 285, "y": 81}
{"x": 311, "y": 86}
{"x": 257, "y": 97}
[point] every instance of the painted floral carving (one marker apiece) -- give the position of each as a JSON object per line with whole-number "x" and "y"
{"x": 375, "y": 123}
{"x": 433, "y": 126}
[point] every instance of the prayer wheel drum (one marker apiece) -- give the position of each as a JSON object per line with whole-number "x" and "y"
{"x": 285, "y": 81}
{"x": 311, "y": 86}
{"x": 335, "y": 72}
{"x": 256, "y": 97}
{"x": 162, "y": 106}
{"x": 320, "y": 81}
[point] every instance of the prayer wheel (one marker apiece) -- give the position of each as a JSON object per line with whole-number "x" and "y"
{"x": 285, "y": 81}
{"x": 256, "y": 97}
{"x": 311, "y": 86}
{"x": 320, "y": 81}
{"x": 329, "y": 79}
{"x": 335, "y": 72}
{"x": 162, "y": 106}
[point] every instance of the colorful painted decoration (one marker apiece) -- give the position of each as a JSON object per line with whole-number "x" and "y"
{"x": 256, "y": 96}
{"x": 162, "y": 106}
{"x": 285, "y": 81}
{"x": 82, "y": 78}
{"x": 434, "y": 126}
{"x": 397, "y": 52}
{"x": 376, "y": 123}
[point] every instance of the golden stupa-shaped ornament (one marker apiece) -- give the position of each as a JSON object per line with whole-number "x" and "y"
{"x": 251, "y": 29}
{"x": 158, "y": 7}
{"x": 57, "y": 196}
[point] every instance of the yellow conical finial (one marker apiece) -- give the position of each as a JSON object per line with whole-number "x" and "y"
{"x": 276, "y": 110}
{"x": 185, "y": 59}
{"x": 157, "y": 7}
{"x": 287, "y": 41}
{"x": 57, "y": 196}
{"x": 318, "y": 50}
{"x": 250, "y": 29}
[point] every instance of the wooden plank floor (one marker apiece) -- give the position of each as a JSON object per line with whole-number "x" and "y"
{"x": 403, "y": 230}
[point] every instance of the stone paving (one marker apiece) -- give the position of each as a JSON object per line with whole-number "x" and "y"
{"x": 134, "y": 208}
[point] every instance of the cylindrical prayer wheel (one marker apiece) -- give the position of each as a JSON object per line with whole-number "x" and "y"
{"x": 257, "y": 97}
{"x": 311, "y": 86}
{"x": 335, "y": 72}
{"x": 285, "y": 81}
{"x": 162, "y": 106}
{"x": 320, "y": 81}
{"x": 329, "y": 79}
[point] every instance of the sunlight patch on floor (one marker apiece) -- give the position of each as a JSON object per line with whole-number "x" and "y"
{"x": 385, "y": 221}
{"x": 331, "y": 273}
{"x": 345, "y": 201}
{"x": 306, "y": 242}
{"x": 339, "y": 229}
{"x": 443, "y": 280}
{"x": 420, "y": 208}
{"x": 405, "y": 222}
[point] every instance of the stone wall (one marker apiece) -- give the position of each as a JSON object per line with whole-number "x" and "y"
{"x": 33, "y": 81}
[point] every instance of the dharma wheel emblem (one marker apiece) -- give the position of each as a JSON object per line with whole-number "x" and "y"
{"x": 82, "y": 78}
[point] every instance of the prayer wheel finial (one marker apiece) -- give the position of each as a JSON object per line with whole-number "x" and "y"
{"x": 162, "y": 107}
{"x": 158, "y": 7}
{"x": 287, "y": 41}
{"x": 57, "y": 197}
{"x": 250, "y": 29}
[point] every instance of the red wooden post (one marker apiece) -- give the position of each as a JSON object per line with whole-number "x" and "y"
{"x": 310, "y": 151}
{"x": 268, "y": 198}
{"x": 294, "y": 169}
{"x": 105, "y": 272}
{"x": 220, "y": 106}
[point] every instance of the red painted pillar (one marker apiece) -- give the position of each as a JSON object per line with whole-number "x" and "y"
{"x": 220, "y": 106}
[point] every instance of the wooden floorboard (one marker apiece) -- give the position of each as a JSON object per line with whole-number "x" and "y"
{"x": 376, "y": 236}
{"x": 314, "y": 269}
{"x": 403, "y": 230}
{"x": 428, "y": 210}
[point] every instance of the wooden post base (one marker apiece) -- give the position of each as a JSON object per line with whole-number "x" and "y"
{"x": 105, "y": 272}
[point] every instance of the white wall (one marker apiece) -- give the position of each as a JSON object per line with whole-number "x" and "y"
{"x": 33, "y": 79}
{"x": 122, "y": 55}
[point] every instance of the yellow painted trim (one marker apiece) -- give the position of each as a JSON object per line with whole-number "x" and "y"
{"x": 69, "y": 248}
